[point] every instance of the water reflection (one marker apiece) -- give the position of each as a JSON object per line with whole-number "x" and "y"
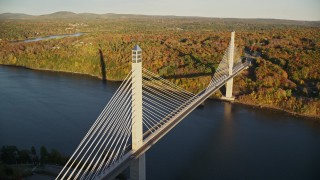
{"x": 228, "y": 112}
{"x": 228, "y": 129}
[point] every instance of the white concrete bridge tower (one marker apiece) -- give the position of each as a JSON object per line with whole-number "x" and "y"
{"x": 229, "y": 84}
{"x": 137, "y": 167}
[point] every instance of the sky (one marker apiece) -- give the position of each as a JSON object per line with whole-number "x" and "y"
{"x": 276, "y": 9}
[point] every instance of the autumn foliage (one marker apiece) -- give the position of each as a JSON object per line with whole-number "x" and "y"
{"x": 285, "y": 73}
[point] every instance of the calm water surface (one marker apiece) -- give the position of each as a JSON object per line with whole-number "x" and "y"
{"x": 50, "y": 37}
{"x": 219, "y": 141}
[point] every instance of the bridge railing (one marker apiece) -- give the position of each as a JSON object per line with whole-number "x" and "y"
{"x": 171, "y": 120}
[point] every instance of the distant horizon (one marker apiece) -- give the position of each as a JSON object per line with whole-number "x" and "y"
{"x": 298, "y": 10}
{"x": 168, "y": 15}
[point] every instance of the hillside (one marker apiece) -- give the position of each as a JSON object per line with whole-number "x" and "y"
{"x": 185, "y": 50}
{"x": 72, "y": 15}
{"x": 7, "y": 16}
{"x": 59, "y": 15}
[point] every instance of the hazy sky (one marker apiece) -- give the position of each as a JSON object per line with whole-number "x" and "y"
{"x": 279, "y": 9}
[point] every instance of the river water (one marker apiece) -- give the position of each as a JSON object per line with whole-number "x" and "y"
{"x": 218, "y": 141}
{"x": 50, "y": 37}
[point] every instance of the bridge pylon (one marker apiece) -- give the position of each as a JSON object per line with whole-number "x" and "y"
{"x": 137, "y": 167}
{"x": 143, "y": 101}
{"x": 229, "y": 84}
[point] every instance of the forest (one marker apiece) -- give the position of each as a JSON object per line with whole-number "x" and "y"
{"x": 18, "y": 163}
{"x": 186, "y": 50}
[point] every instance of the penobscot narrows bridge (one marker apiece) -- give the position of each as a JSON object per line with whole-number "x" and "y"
{"x": 143, "y": 109}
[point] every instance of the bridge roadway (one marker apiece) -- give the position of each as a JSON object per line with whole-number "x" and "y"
{"x": 124, "y": 162}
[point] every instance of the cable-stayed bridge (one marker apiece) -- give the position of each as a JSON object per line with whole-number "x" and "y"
{"x": 143, "y": 109}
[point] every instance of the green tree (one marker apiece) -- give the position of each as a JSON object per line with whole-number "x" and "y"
{"x": 24, "y": 156}
{"x": 33, "y": 151}
{"x": 55, "y": 156}
{"x": 9, "y": 154}
{"x": 44, "y": 155}
{"x": 34, "y": 156}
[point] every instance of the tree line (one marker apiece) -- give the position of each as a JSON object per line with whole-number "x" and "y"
{"x": 185, "y": 51}
{"x": 13, "y": 155}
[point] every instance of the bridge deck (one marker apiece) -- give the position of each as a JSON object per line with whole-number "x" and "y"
{"x": 124, "y": 162}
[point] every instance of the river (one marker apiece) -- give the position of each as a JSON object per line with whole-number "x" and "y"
{"x": 218, "y": 141}
{"x": 49, "y": 37}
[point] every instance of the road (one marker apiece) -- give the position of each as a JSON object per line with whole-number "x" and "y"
{"x": 124, "y": 162}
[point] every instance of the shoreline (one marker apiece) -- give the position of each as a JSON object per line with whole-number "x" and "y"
{"x": 60, "y": 71}
{"x": 316, "y": 118}
{"x": 236, "y": 101}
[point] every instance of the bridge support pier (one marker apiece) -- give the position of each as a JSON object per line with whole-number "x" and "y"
{"x": 137, "y": 168}
{"x": 229, "y": 84}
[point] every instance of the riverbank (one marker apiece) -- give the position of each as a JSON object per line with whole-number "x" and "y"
{"x": 59, "y": 71}
{"x": 316, "y": 118}
{"x": 236, "y": 101}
